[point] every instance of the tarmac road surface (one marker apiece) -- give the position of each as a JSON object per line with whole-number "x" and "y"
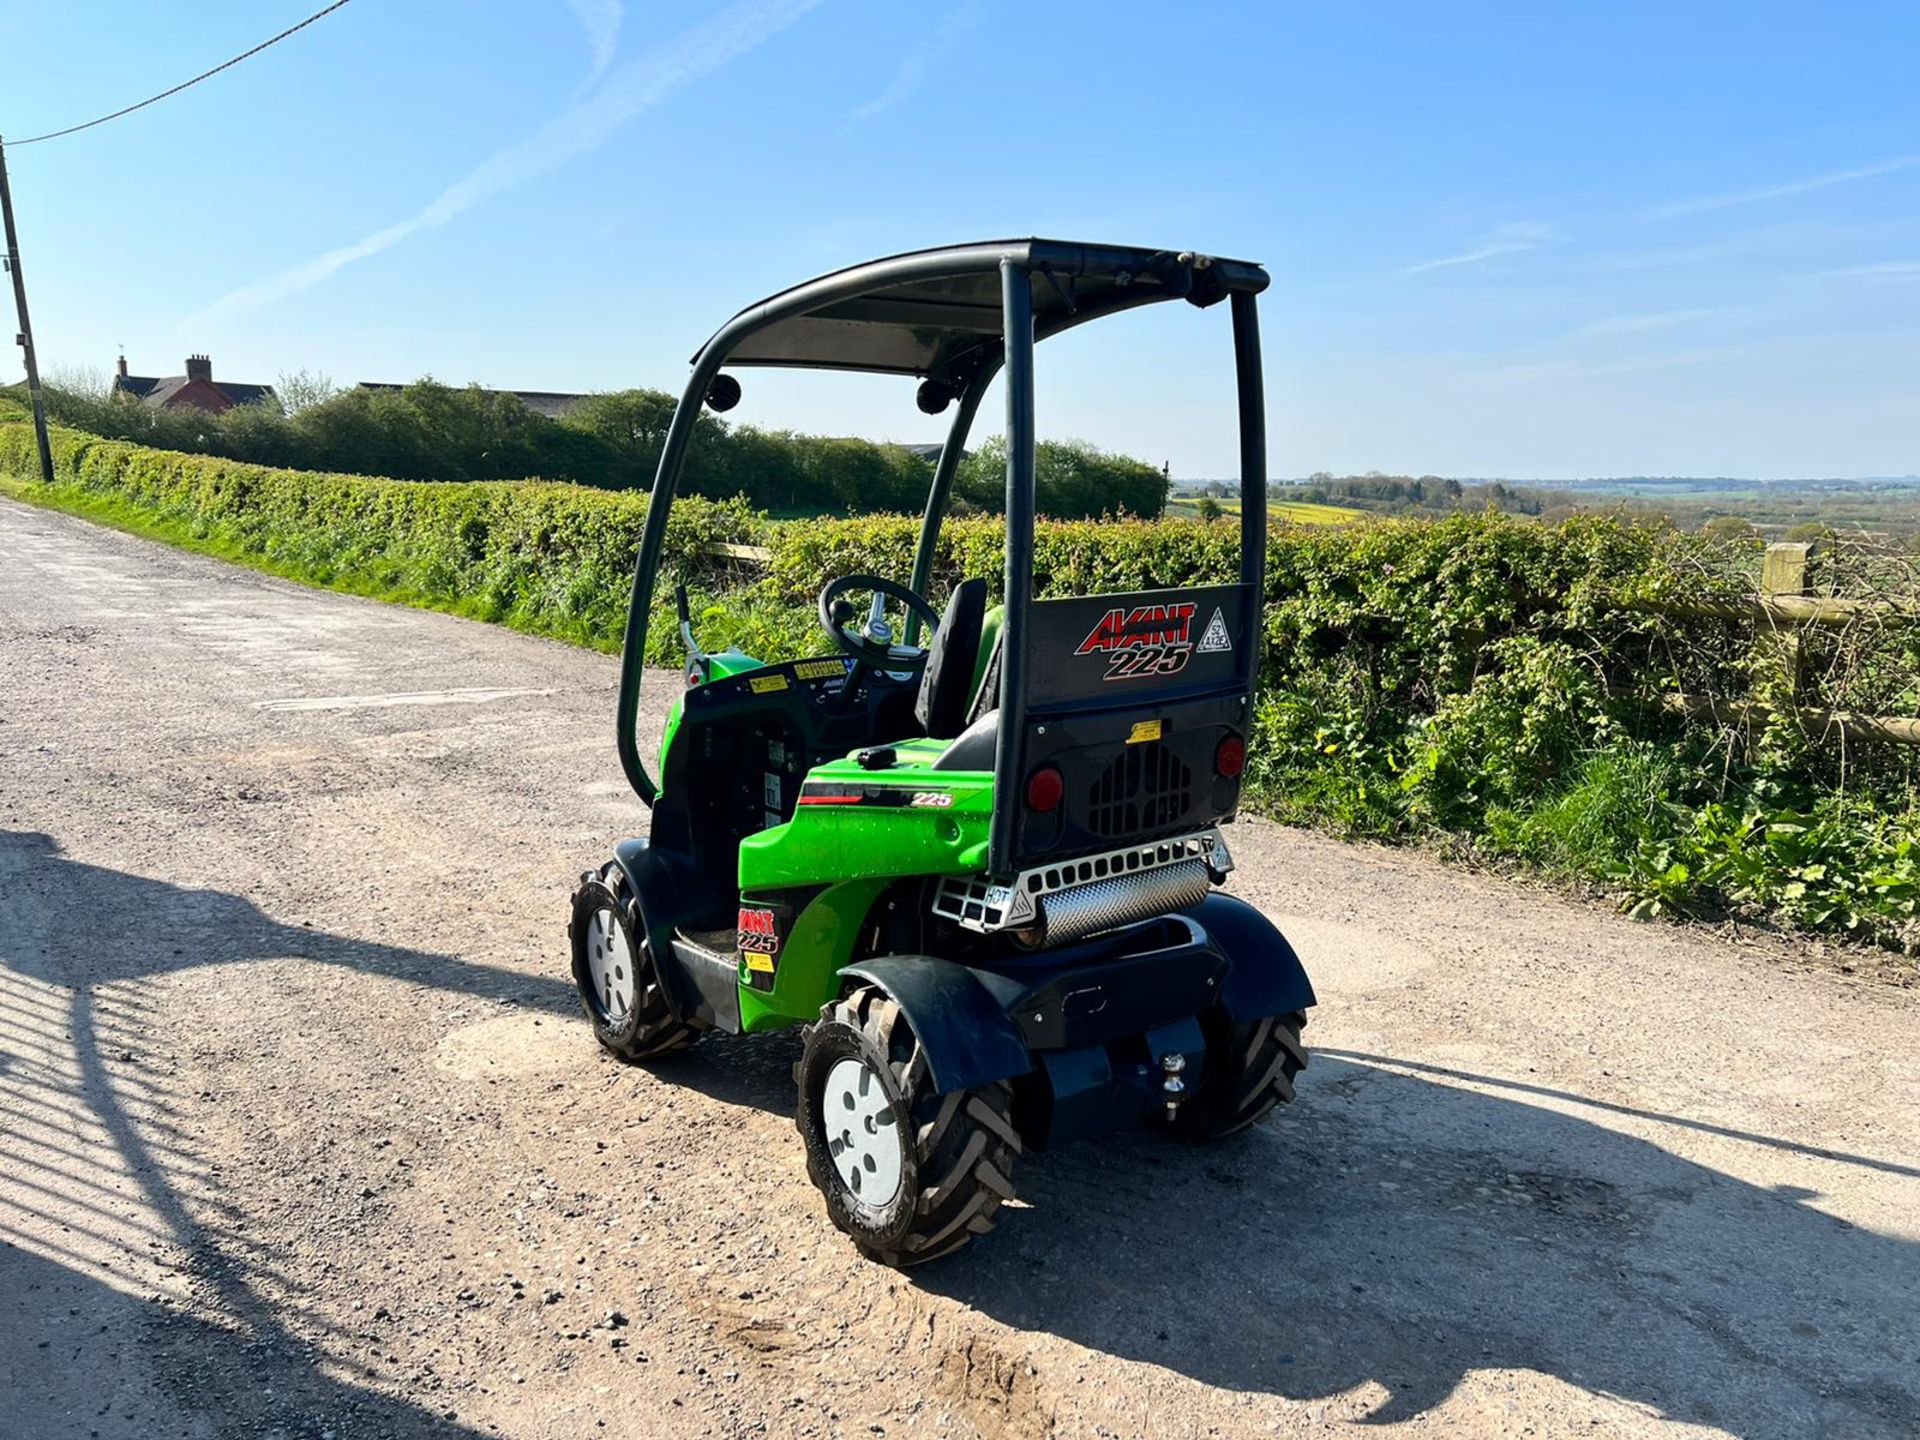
{"x": 301, "y": 1134}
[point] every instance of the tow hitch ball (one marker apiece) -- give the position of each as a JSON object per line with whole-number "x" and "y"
{"x": 1172, "y": 1064}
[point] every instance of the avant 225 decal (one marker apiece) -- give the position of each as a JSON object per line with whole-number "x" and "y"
{"x": 1146, "y": 640}
{"x": 758, "y": 938}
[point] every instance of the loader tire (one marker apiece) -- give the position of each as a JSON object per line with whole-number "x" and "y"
{"x": 614, "y": 969}
{"x": 934, "y": 1168}
{"x": 1250, "y": 1069}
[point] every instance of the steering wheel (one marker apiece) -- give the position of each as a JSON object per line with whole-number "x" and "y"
{"x": 873, "y": 645}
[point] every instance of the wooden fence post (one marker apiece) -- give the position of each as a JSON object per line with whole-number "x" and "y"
{"x": 1784, "y": 572}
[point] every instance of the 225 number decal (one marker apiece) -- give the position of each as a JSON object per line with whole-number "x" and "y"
{"x": 1145, "y": 660}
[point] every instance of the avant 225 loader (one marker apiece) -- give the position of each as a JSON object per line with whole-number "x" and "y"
{"x": 974, "y": 855}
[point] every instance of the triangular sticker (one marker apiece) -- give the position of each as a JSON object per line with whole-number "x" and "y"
{"x": 1216, "y": 637}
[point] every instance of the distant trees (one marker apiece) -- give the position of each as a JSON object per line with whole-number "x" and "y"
{"x": 1072, "y": 480}
{"x": 1730, "y": 530}
{"x": 88, "y": 380}
{"x": 1409, "y": 495}
{"x": 430, "y": 431}
{"x": 1814, "y": 532}
{"x": 300, "y": 389}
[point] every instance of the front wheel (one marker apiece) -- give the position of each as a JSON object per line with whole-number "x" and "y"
{"x": 1250, "y": 1067}
{"x": 909, "y": 1173}
{"x": 614, "y": 968}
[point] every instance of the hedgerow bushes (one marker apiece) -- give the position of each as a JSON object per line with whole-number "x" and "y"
{"x": 1486, "y": 680}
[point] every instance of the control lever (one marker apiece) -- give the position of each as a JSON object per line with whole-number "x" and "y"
{"x": 695, "y": 655}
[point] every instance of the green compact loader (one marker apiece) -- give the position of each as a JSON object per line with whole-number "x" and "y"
{"x": 974, "y": 855}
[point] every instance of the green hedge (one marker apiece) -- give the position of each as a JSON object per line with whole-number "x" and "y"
{"x": 1485, "y": 680}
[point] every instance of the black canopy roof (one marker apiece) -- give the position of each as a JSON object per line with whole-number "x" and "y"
{"x": 937, "y": 312}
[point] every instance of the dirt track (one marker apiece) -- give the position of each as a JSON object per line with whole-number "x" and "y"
{"x": 300, "y": 1133}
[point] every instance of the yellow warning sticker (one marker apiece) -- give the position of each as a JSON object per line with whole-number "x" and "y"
{"x": 762, "y": 963}
{"x": 766, "y": 684}
{"x": 1144, "y": 730}
{"x": 819, "y": 669}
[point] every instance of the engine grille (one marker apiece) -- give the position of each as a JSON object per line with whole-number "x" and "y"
{"x": 1147, "y": 788}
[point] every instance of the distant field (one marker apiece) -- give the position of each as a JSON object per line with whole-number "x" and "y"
{"x": 1294, "y": 513}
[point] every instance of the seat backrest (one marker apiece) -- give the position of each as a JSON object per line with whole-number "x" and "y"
{"x": 952, "y": 655}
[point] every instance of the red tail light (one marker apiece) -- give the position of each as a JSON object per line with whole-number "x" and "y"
{"x": 1044, "y": 789}
{"x": 1230, "y": 757}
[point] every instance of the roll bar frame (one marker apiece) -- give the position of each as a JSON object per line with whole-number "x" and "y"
{"x": 1017, "y": 263}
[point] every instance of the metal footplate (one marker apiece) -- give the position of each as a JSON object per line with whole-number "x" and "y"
{"x": 1083, "y": 896}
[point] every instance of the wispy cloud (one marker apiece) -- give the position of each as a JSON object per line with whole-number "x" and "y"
{"x": 1538, "y": 371}
{"x": 1775, "y": 192}
{"x": 601, "y": 20}
{"x": 918, "y": 61}
{"x": 1878, "y": 270}
{"x": 1639, "y": 324}
{"x": 629, "y": 91}
{"x": 1508, "y": 240}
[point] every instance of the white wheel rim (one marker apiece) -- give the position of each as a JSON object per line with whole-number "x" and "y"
{"x": 863, "y": 1134}
{"x": 610, "y": 966}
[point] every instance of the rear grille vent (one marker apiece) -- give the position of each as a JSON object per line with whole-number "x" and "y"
{"x": 1145, "y": 789}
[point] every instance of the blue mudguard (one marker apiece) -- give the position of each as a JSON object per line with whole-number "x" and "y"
{"x": 964, "y": 1033}
{"x": 1266, "y": 977}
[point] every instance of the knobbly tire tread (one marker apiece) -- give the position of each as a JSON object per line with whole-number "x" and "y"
{"x": 964, "y": 1142}
{"x": 656, "y": 1032}
{"x": 1262, "y": 1058}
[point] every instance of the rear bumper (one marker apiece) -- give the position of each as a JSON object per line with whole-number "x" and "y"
{"x": 1122, "y": 984}
{"x": 1085, "y": 1032}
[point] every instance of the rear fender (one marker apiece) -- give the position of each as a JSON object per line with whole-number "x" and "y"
{"x": 968, "y": 1040}
{"x": 1266, "y": 977}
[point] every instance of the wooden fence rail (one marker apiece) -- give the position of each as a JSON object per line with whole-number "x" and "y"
{"x": 1785, "y": 606}
{"x": 727, "y": 550}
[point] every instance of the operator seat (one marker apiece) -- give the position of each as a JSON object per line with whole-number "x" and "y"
{"x": 952, "y": 655}
{"x": 974, "y": 747}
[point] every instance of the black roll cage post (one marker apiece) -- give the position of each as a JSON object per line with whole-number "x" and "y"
{"x": 1014, "y": 352}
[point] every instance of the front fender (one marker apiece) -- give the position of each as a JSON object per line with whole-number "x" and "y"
{"x": 653, "y": 890}
{"x": 967, "y": 1038}
{"x": 1266, "y": 976}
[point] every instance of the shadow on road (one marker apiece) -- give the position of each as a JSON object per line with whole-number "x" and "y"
{"x": 1391, "y": 1229}
{"x": 108, "y": 1217}
{"x": 1394, "y": 1228}
{"x": 119, "y": 926}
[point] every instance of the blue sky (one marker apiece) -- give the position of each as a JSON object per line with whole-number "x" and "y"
{"x": 1523, "y": 239}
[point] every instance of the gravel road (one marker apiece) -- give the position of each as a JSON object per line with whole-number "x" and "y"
{"x": 301, "y": 1134}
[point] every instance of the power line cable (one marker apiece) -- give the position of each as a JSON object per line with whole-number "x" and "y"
{"x": 185, "y": 84}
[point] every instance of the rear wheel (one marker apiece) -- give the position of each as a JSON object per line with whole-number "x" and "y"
{"x": 1250, "y": 1066}
{"x": 613, "y": 967}
{"x": 909, "y": 1173}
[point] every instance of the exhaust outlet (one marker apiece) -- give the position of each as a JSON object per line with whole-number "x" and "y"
{"x": 1082, "y": 910}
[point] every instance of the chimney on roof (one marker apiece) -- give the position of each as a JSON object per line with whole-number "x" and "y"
{"x": 123, "y": 367}
{"x": 199, "y": 367}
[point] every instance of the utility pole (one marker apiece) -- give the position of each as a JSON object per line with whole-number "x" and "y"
{"x": 26, "y": 325}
